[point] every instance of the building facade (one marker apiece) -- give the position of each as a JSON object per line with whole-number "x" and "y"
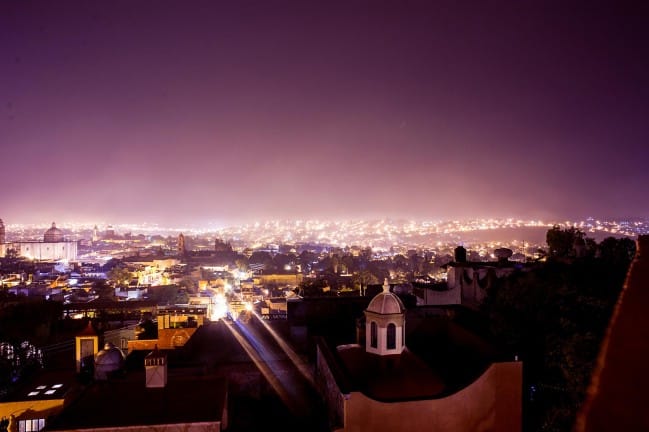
{"x": 53, "y": 247}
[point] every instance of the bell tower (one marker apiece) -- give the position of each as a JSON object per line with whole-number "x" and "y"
{"x": 2, "y": 232}
{"x": 182, "y": 251}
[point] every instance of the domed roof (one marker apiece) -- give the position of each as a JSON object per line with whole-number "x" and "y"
{"x": 386, "y": 303}
{"x": 109, "y": 359}
{"x": 53, "y": 234}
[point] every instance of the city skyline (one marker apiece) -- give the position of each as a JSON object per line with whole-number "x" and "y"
{"x": 228, "y": 113}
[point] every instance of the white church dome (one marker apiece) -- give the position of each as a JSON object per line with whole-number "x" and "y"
{"x": 386, "y": 303}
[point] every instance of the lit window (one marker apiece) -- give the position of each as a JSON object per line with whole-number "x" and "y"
{"x": 57, "y": 386}
{"x": 41, "y": 387}
{"x": 33, "y": 425}
{"x": 50, "y": 392}
{"x": 33, "y": 393}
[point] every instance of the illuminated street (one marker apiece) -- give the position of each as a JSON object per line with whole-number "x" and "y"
{"x": 267, "y": 383}
{"x": 283, "y": 370}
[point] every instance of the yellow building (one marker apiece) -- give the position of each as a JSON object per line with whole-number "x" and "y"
{"x": 279, "y": 279}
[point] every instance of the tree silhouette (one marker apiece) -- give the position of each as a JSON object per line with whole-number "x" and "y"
{"x": 119, "y": 276}
{"x": 103, "y": 290}
{"x": 554, "y": 317}
{"x": 561, "y": 241}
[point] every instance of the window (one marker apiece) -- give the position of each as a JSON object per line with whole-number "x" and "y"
{"x": 32, "y": 425}
{"x": 374, "y": 335}
{"x": 392, "y": 336}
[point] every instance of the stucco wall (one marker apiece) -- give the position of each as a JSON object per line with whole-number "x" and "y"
{"x": 491, "y": 403}
{"x": 167, "y": 339}
{"x": 45, "y": 251}
{"x": 450, "y": 296}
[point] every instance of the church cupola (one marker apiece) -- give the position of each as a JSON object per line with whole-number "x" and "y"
{"x": 385, "y": 324}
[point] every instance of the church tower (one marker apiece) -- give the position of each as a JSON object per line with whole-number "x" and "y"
{"x": 182, "y": 251}
{"x": 385, "y": 324}
{"x": 2, "y": 232}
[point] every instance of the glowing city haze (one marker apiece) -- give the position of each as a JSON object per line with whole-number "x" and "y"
{"x": 229, "y": 112}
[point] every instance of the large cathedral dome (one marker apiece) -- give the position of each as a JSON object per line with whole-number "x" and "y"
{"x": 53, "y": 235}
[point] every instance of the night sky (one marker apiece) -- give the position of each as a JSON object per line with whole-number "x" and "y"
{"x": 190, "y": 112}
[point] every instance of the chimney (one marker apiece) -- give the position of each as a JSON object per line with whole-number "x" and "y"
{"x": 155, "y": 365}
{"x": 460, "y": 254}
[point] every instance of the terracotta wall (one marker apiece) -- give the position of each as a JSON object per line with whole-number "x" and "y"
{"x": 492, "y": 403}
{"x": 167, "y": 339}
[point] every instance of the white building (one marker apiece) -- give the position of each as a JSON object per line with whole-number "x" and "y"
{"x": 54, "y": 247}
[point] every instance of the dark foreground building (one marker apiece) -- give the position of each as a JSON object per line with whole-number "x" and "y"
{"x": 451, "y": 380}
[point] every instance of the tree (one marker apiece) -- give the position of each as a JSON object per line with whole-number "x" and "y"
{"x": 363, "y": 279}
{"x": 261, "y": 257}
{"x": 103, "y": 290}
{"x": 348, "y": 263}
{"x": 188, "y": 284}
{"x": 313, "y": 288}
{"x": 280, "y": 261}
{"x": 163, "y": 295}
{"x": 400, "y": 262}
{"x": 119, "y": 276}
{"x": 555, "y": 317}
{"x": 561, "y": 241}
{"x": 617, "y": 251}
{"x": 182, "y": 297}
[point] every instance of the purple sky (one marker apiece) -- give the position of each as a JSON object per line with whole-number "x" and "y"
{"x": 233, "y": 111}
